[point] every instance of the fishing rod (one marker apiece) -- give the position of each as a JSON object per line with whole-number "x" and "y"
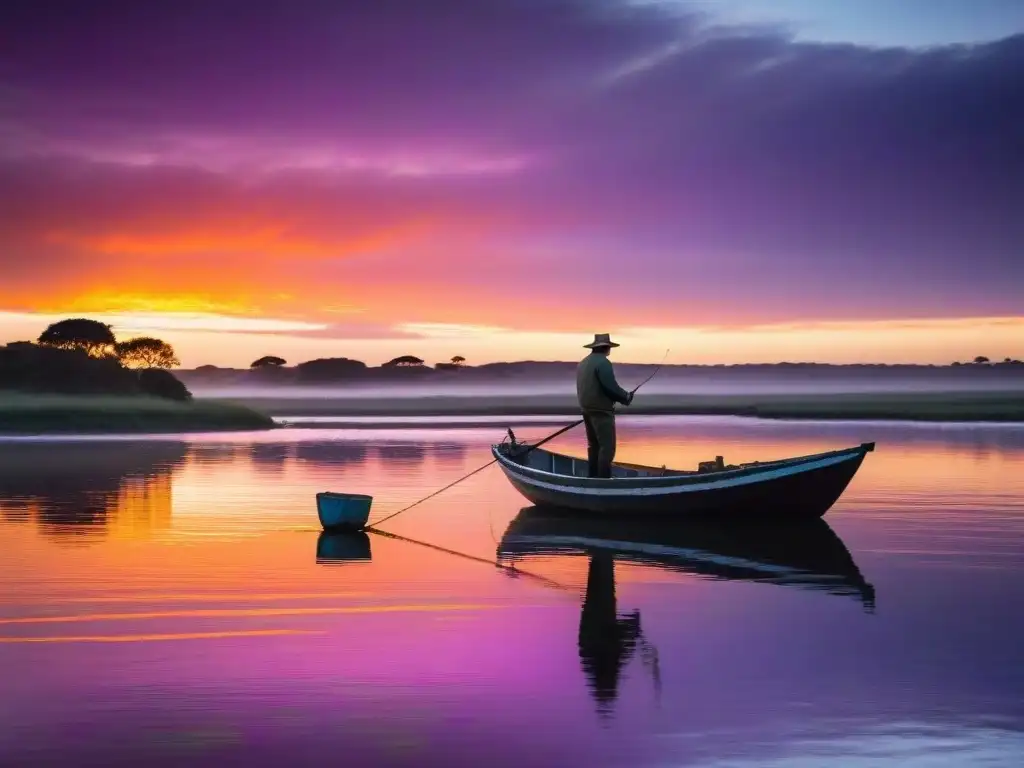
{"x": 660, "y": 366}
{"x": 527, "y": 447}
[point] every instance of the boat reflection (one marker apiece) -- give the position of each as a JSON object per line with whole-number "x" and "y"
{"x": 806, "y": 554}
{"x": 344, "y": 547}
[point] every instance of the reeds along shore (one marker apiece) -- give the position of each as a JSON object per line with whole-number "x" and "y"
{"x": 22, "y": 414}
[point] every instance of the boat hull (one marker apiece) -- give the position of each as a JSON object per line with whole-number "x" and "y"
{"x": 797, "y": 489}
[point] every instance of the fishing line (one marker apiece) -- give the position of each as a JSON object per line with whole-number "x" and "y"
{"x": 507, "y": 568}
{"x": 475, "y": 471}
{"x": 660, "y": 365}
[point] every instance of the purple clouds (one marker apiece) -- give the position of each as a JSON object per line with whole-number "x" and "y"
{"x": 517, "y": 147}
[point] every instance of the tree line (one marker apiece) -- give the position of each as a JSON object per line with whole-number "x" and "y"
{"x": 982, "y": 360}
{"x": 83, "y": 356}
{"x": 97, "y": 339}
{"x": 270, "y": 362}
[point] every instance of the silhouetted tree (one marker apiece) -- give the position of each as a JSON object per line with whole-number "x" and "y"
{"x": 268, "y": 361}
{"x": 146, "y": 352}
{"x": 458, "y": 360}
{"x": 981, "y": 360}
{"x": 405, "y": 361}
{"x": 91, "y": 336}
{"x": 42, "y": 368}
{"x": 160, "y": 383}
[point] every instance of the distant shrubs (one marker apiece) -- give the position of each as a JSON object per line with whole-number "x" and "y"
{"x": 405, "y": 361}
{"x": 456, "y": 363}
{"x": 983, "y": 362}
{"x": 328, "y": 369}
{"x": 158, "y": 382}
{"x": 268, "y": 361}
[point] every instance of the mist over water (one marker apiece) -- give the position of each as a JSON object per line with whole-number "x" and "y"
{"x": 666, "y": 383}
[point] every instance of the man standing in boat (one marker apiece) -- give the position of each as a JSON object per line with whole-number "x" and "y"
{"x": 597, "y": 392}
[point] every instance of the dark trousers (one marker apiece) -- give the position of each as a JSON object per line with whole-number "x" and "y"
{"x": 600, "y": 427}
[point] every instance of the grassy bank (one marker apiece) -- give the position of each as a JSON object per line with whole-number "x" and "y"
{"x": 88, "y": 414}
{"x": 931, "y": 406}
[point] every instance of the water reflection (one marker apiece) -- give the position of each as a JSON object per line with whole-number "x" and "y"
{"x": 98, "y": 489}
{"x": 345, "y": 547}
{"x": 607, "y": 640}
{"x": 807, "y": 555}
{"x": 804, "y": 554}
{"x": 271, "y": 454}
{"x": 332, "y": 453}
{"x": 342, "y": 453}
{"x": 449, "y": 453}
{"x": 418, "y": 644}
{"x": 403, "y": 454}
{"x": 214, "y": 453}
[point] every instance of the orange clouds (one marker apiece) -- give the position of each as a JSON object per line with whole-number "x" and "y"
{"x": 226, "y": 265}
{"x": 190, "y": 303}
{"x": 256, "y": 241}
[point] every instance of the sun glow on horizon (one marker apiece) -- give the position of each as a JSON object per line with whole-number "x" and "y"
{"x": 229, "y": 340}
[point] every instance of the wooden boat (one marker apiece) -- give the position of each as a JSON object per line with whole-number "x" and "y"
{"x": 795, "y": 488}
{"x": 806, "y": 554}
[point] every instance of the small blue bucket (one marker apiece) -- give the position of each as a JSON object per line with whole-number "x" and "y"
{"x": 343, "y": 511}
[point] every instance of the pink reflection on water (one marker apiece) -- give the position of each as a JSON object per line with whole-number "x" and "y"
{"x": 227, "y": 523}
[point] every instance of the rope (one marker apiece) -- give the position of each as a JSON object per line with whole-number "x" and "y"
{"x": 475, "y": 471}
{"x": 507, "y": 568}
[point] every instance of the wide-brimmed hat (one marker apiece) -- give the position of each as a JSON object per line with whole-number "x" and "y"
{"x": 601, "y": 340}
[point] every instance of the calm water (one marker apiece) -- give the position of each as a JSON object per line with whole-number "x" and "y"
{"x": 162, "y": 601}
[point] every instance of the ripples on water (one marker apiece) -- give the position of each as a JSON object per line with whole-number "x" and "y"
{"x": 170, "y": 600}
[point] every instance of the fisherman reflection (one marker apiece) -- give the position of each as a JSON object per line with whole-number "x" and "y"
{"x": 607, "y": 641}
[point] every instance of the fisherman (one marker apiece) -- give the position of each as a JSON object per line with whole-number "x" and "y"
{"x": 597, "y": 392}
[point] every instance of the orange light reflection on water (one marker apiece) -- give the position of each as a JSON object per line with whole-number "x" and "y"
{"x": 214, "y": 503}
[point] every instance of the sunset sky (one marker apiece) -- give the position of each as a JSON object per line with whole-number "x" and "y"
{"x": 740, "y": 180}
